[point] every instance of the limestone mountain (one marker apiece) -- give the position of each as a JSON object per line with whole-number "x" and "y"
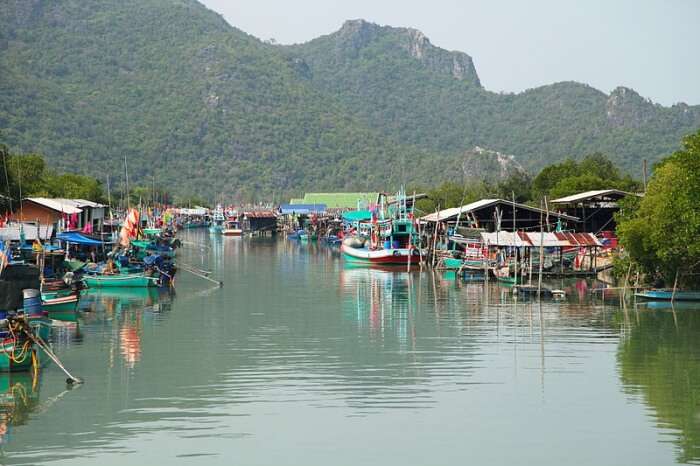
{"x": 389, "y": 77}
{"x": 204, "y": 108}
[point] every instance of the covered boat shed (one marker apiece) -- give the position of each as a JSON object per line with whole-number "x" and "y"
{"x": 260, "y": 221}
{"x": 595, "y": 209}
{"x": 581, "y": 247}
{"x": 302, "y": 209}
{"x": 340, "y": 201}
{"x": 499, "y": 214}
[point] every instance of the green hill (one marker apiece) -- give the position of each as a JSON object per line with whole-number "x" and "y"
{"x": 207, "y": 109}
{"x": 419, "y": 94}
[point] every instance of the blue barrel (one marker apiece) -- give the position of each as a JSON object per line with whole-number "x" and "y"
{"x": 32, "y": 302}
{"x": 395, "y": 245}
{"x": 387, "y": 244}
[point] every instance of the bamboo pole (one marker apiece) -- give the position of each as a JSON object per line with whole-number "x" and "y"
{"x": 675, "y": 285}
{"x": 435, "y": 233}
{"x": 539, "y": 279}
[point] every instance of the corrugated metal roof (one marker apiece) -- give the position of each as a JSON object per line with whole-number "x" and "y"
{"x": 534, "y": 239}
{"x": 11, "y": 232}
{"x": 86, "y": 203}
{"x": 59, "y": 205}
{"x": 591, "y": 195}
{"x": 449, "y": 214}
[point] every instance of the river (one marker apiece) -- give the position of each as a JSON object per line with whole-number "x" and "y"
{"x": 300, "y": 359}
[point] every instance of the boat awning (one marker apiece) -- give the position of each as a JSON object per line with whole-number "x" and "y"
{"x": 357, "y": 215}
{"x": 302, "y": 209}
{"x": 535, "y": 239}
{"x": 76, "y": 237}
{"x": 448, "y": 215}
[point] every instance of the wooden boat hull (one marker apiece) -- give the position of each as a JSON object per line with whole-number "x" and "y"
{"x": 120, "y": 280}
{"x": 60, "y": 304}
{"x": 381, "y": 256}
{"x": 665, "y": 295}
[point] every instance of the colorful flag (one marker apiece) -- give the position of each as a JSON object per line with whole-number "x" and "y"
{"x": 130, "y": 227}
{"x": 4, "y": 255}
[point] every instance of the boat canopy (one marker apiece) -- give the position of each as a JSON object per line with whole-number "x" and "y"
{"x": 357, "y": 215}
{"x": 76, "y": 237}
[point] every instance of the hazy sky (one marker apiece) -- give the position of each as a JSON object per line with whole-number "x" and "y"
{"x": 652, "y": 46}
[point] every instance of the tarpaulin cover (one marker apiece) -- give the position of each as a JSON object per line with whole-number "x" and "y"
{"x": 13, "y": 280}
{"x": 75, "y": 237}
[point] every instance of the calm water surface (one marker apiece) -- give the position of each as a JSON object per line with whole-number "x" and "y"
{"x": 301, "y": 360}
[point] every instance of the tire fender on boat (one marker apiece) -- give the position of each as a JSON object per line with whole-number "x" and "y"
{"x": 397, "y": 253}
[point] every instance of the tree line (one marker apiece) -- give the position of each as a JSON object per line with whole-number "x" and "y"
{"x": 595, "y": 171}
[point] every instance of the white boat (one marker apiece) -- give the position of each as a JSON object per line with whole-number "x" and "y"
{"x": 232, "y": 228}
{"x": 217, "y": 220}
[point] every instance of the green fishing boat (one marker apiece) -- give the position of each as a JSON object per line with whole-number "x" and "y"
{"x": 151, "y": 231}
{"x": 18, "y": 353}
{"x": 63, "y": 308}
{"x": 138, "y": 280}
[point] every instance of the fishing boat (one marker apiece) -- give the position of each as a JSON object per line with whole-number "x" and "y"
{"x": 389, "y": 237}
{"x": 232, "y": 228}
{"x": 217, "y": 220}
{"x": 23, "y": 318}
{"x": 60, "y": 303}
{"x": 306, "y": 236}
{"x": 63, "y": 308}
{"x": 150, "y": 232}
{"x": 472, "y": 274}
{"x": 120, "y": 280}
{"x": 668, "y": 295}
{"x": 18, "y": 348}
{"x": 295, "y": 234}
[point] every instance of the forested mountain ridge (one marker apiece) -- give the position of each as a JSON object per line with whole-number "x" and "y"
{"x": 207, "y": 109}
{"x": 185, "y": 97}
{"x": 394, "y": 89}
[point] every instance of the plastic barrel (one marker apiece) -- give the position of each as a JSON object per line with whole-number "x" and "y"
{"x": 395, "y": 244}
{"x": 32, "y": 302}
{"x": 387, "y": 244}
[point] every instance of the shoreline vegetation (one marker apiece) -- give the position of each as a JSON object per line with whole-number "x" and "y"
{"x": 658, "y": 232}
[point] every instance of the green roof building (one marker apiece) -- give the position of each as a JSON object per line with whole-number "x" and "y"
{"x": 339, "y": 200}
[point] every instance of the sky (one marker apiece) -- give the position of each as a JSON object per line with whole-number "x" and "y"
{"x": 651, "y": 46}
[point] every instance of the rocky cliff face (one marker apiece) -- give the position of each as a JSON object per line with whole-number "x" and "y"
{"x": 356, "y": 35}
{"x": 626, "y": 108}
{"x": 489, "y": 165}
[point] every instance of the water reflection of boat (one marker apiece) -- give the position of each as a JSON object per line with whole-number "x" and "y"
{"x": 667, "y": 295}
{"x": 19, "y": 396}
{"x": 126, "y": 293}
{"x": 671, "y": 306}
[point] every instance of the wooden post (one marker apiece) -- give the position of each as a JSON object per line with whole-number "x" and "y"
{"x": 515, "y": 272}
{"x": 675, "y": 285}
{"x": 539, "y": 279}
{"x": 435, "y": 233}
{"x": 624, "y": 288}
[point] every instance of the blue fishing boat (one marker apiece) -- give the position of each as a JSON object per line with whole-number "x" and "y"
{"x": 470, "y": 274}
{"x": 667, "y": 295}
